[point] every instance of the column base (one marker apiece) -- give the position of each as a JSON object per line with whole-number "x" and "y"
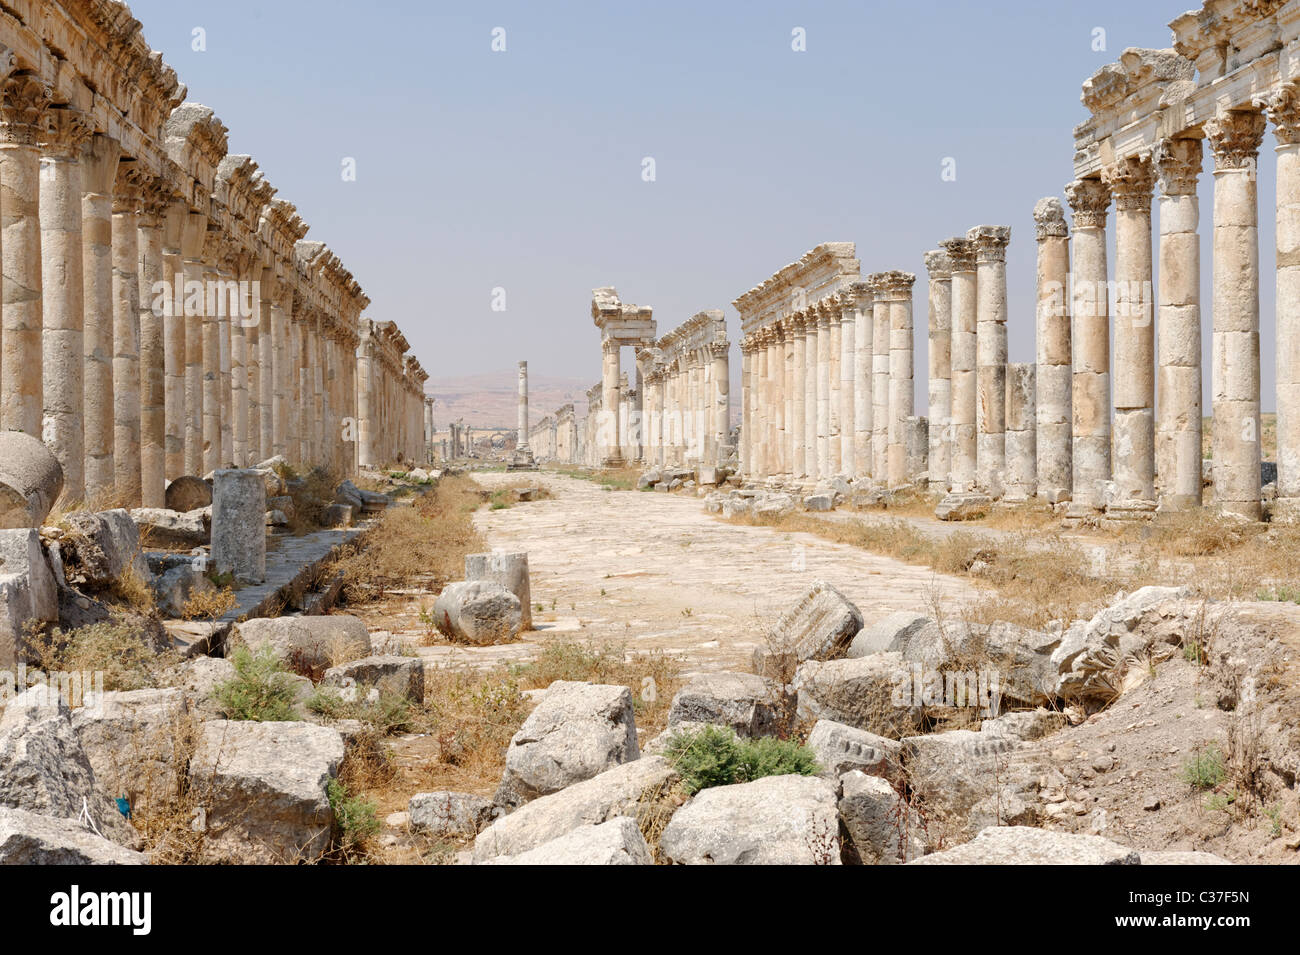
{"x": 614, "y": 461}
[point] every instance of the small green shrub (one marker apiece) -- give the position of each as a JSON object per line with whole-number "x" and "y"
{"x": 261, "y": 689}
{"x": 715, "y": 756}
{"x": 355, "y": 818}
{"x": 389, "y": 713}
{"x": 1204, "y": 769}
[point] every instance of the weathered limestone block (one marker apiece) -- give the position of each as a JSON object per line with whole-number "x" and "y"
{"x": 200, "y": 678}
{"x": 617, "y": 842}
{"x": 28, "y": 838}
{"x": 1025, "y": 724}
{"x": 263, "y": 788}
{"x": 748, "y": 703}
{"x": 776, "y": 820}
{"x": 951, "y": 772}
{"x": 174, "y": 587}
{"x": 31, "y": 480}
{"x": 478, "y": 612}
{"x": 820, "y": 625}
{"x": 1025, "y": 845}
{"x": 616, "y": 792}
{"x": 841, "y": 748}
{"x": 100, "y": 547}
{"x": 964, "y": 506}
{"x": 238, "y": 521}
{"x": 578, "y": 731}
{"x": 508, "y": 570}
{"x": 859, "y": 692}
{"x": 166, "y": 528}
{"x": 884, "y": 633}
{"x": 449, "y": 815}
{"x": 308, "y": 642}
{"x": 28, "y": 592}
{"x": 1182, "y": 858}
{"x": 188, "y": 493}
{"x": 1007, "y": 661}
{"x": 390, "y": 675}
{"x": 880, "y": 830}
{"x": 134, "y": 740}
{"x": 819, "y": 502}
{"x": 44, "y": 768}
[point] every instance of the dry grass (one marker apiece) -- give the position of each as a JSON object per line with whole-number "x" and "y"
{"x": 132, "y": 590}
{"x": 209, "y": 604}
{"x": 124, "y": 653}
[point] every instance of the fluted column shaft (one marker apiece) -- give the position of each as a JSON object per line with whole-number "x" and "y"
{"x": 746, "y": 454}
{"x": 824, "y": 335}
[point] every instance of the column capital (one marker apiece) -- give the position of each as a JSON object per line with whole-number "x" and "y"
{"x": 1178, "y": 163}
{"x": 1089, "y": 199}
{"x": 990, "y": 242}
{"x": 1282, "y": 107}
{"x": 155, "y": 196}
{"x": 1234, "y": 137}
{"x": 857, "y": 294}
{"x": 65, "y": 132}
{"x": 610, "y": 346}
{"x": 1131, "y": 181}
{"x": 893, "y": 285}
{"x": 961, "y": 252}
{"x": 1049, "y": 219}
{"x": 938, "y": 264}
{"x": 718, "y": 349}
{"x": 23, "y": 100}
{"x": 127, "y": 188}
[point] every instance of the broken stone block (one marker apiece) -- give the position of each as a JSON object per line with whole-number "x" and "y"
{"x": 238, "y": 522}
{"x": 621, "y": 791}
{"x": 306, "y": 643}
{"x": 263, "y": 790}
{"x": 100, "y": 547}
{"x": 951, "y": 772}
{"x": 1026, "y": 845}
{"x": 188, "y": 492}
{"x": 173, "y": 588}
{"x": 748, "y": 703}
{"x": 31, "y": 480}
{"x": 478, "y": 612}
{"x": 134, "y": 739}
{"x": 508, "y": 570}
{"x": 885, "y": 633}
{"x": 578, "y": 731}
{"x": 164, "y": 528}
{"x": 860, "y": 693}
{"x": 28, "y": 593}
{"x": 819, "y": 626}
{"x": 819, "y": 502}
{"x": 28, "y": 838}
{"x": 391, "y": 675}
{"x": 881, "y": 828}
{"x": 338, "y": 515}
{"x": 840, "y": 748}
{"x": 776, "y": 820}
{"x": 968, "y": 506}
{"x": 450, "y": 815}
{"x": 1025, "y": 724}
{"x": 617, "y": 842}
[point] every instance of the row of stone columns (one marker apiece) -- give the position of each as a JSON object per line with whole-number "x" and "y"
{"x": 687, "y": 408}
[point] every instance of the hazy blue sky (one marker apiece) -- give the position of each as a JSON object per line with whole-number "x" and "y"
{"x": 522, "y": 169}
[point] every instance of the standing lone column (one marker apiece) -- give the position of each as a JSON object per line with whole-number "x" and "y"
{"x": 126, "y": 333}
{"x": 1090, "y": 394}
{"x": 22, "y": 104}
{"x": 99, "y": 170}
{"x": 522, "y": 441}
{"x": 1235, "y": 137}
{"x": 961, "y": 252}
{"x": 991, "y": 354}
{"x": 1131, "y": 181}
{"x": 63, "y": 344}
{"x": 1052, "y": 330}
{"x": 1178, "y": 428}
{"x": 939, "y": 266}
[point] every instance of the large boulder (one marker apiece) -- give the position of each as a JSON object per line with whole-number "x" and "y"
{"x": 749, "y": 704}
{"x": 28, "y": 592}
{"x": 617, "y": 842}
{"x": 622, "y": 791}
{"x": 508, "y": 570}
{"x": 840, "y": 748}
{"x": 578, "y": 731}
{"x": 390, "y": 675}
{"x": 100, "y": 547}
{"x": 882, "y": 829}
{"x": 819, "y": 626}
{"x": 449, "y": 815}
{"x": 864, "y": 693}
{"x": 31, "y": 480}
{"x": 1025, "y": 845}
{"x": 27, "y": 838}
{"x": 189, "y": 492}
{"x": 478, "y": 612}
{"x": 306, "y": 643}
{"x": 134, "y": 740}
{"x": 44, "y": 768}
{"x": 776, "y": 820}
{"x": 263, "y": 788}
{"x": 167, "y": 528}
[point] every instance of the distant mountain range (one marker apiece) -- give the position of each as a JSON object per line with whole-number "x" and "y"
{"x": 490, "y": 400}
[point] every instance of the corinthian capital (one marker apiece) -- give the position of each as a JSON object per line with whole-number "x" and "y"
{"x": 1282, "y": 107}
{"x": 990, "y": 242}
{"x": 939, "y": 264}
{"x": 1178, "y": 162}
{"x": 65, "y": 131}
{"x": 1049, "y": 219}
{"x": 1234, "y": 137}
{"x": 1131, "y": 181}
{"x": 23, "y": 98}
{"x": 961, "y": 251}
{"x": 1089, "y": 199}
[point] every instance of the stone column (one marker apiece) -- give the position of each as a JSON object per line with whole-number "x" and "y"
{"x": 1052, "y": 330}
{"x": 610, "y": 374}
{"x": 776, "y": 368}
{"x": 238, "y": 525}
{"x": 22, "y": 105}
{"x": 126, "y": 333}
{"x": 153, "y": 356}
{"x": 239, "y": 387}
{"x": 880, "y": 311}
{"x": 1131, "y": 181}
{"x": 824, "y": 335}
{"x": 848, "y": 331}
{"x": 798, "y": 393}
{"x": 961, "y": 252}
{"x": 175, "y": 337}
{"x": 745, "y": 455}
{"x": 811, "y": 333}
{"x": 63, "y": 342}
{"x": 1090, "y": 339}
{"x": 718, "y": 354}
{"x": 990, "y": 354}
{"x": 1283, "y": 109}
{"x": 863, "y": 321}
{"x": 225, "y": 341}
{"x": 939, "y": 267}
{"x": 211, "y": 358}
{"x": 897, "y": 290}
{"x": 1022, "y": 457}
{"x": 790, "y": 464}
{"x": 763, "y": 409}
{"x": 192, "y": 236}
{"x": 266, "y": 381}
{"x": 99, "y": 171}
{"x": 1235, "y": 138}
{"x": 305, "y": 404}
{"x": 835, "y": 320}
{"x": 281, "y": 310}
{"x": 522, "y": 440}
